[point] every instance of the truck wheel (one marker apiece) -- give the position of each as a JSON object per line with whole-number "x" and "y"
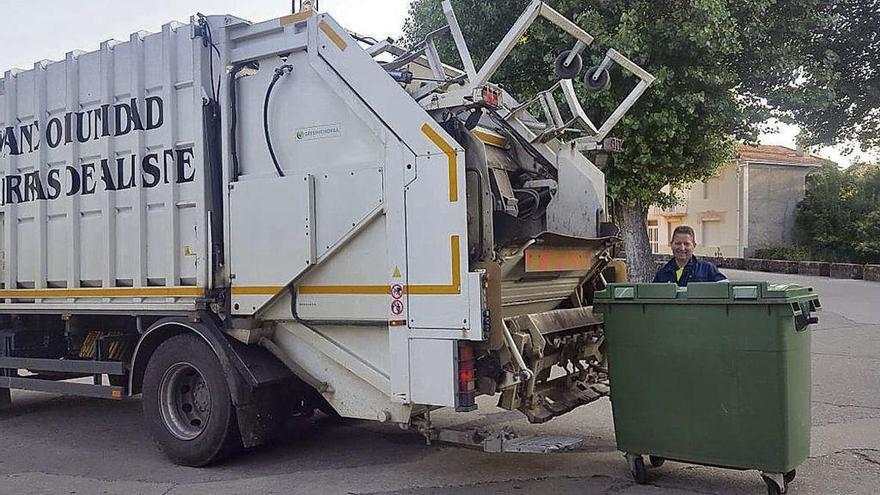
{"x": 186, "y": 402}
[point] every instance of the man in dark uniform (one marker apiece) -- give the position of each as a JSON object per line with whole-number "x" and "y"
{"x": 684, "y": 267}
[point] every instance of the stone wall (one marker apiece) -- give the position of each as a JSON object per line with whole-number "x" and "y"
{"x": 814, "y": 268}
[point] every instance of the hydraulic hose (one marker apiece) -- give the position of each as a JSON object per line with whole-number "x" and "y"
{"x": 279, "y": 71}
{"x": 233, "y": 118}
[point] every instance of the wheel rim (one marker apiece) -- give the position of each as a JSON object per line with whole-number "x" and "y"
{"x": 601, "y": 83}
{"x": 185, "y": 401}
{"x": 568, "y": 71}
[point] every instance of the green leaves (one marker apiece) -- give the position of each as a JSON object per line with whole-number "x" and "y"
{"x": 839, "y": 218}
{"x": 867, "y": 243}
{"x": 683, "y": 128}
{"x": 722, "y": 66}
{"x": 836, "y": 51}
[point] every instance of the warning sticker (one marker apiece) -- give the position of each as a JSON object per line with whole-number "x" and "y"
{"x": 396, "y": 291}
{"x": 397, "y": 307}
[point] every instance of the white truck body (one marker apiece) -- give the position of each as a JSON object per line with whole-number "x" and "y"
{"x": 104, "y": 189}
{"x": 357, "y": 257}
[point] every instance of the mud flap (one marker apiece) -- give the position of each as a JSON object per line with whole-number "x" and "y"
{"x": 273, "y": 395}
{"x": 266, "y": 413}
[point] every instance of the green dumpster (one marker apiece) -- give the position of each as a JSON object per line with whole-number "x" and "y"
{"x": 714, "y": 373}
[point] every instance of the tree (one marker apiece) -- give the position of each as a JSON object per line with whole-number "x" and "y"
{"x": 711, "y": 58}
{"x": 839, "y": 217}
{"x": 866, "y": 206}
{"x": 837, "y": 94}
{"x": 824, "y": 222}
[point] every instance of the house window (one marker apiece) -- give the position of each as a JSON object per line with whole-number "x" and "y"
{"x": 654, "y": 236}
{"x": 706, "y": 189}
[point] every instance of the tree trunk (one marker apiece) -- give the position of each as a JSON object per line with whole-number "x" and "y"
{"x": 640, "y": 263}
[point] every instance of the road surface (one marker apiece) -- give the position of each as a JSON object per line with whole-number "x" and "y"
{"x": 69, "y": 445}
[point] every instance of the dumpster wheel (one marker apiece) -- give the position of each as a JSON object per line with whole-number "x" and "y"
{"x": 637, "y": 468}
{"x": 777, "y": 484}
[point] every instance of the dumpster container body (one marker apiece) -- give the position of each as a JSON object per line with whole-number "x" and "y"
{"x": 713, "y": 374}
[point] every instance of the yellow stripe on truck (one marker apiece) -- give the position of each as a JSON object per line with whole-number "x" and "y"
{"x": 449, "y": 151}
{"x": 345, "y": 289}
{"x": 491, "y": 139}
{"x": 295, "y": 18}
{"x": 455, "y": 287}
{"x": 103, "y": 292}
{"x": 257, "y": 290}
{"x": 333, "y": 35}
{"x": 419, "y": 290}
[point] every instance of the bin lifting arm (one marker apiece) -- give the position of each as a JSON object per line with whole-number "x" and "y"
{"x": 556, "y": 126}
{"x": 473, "y": 80}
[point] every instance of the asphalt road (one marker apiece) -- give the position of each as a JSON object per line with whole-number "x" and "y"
{"x": 57, "y": 444}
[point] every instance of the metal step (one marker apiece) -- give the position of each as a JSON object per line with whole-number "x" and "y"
{"x": 64, "y": 365}
{"x": 67, "y": 388}
{"x": 506, "y": 440}
{"x": 542, "y": 444}
{"x": 43, "y": 381}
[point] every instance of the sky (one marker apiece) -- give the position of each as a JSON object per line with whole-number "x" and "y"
{"x": 32, "y": 30}
{"x": 785, "y": 135}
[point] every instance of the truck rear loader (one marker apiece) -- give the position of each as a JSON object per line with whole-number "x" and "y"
{"x": 241, "y": 221}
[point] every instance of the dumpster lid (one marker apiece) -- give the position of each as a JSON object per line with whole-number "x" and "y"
{"x": 724, "y": 291}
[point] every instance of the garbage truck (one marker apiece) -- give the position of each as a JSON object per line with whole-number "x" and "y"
{"x": 241, "y": 220}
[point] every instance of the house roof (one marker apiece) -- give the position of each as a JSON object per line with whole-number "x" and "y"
{"x": 773, "y": 154}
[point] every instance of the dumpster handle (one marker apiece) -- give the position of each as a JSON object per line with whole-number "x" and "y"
{"x": 802, "y": 316}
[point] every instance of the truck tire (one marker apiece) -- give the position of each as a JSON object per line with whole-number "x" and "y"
{"x": 186, "y": 402}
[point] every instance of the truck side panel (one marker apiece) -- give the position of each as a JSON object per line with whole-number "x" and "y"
{"x": 103, "y": 180}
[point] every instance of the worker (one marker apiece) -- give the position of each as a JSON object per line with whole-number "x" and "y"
{"x": 684, "y": 267}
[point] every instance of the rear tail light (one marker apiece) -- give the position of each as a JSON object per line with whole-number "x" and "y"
{"x": 467, "y": 378}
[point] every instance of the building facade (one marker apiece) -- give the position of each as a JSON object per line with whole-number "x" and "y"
{"x": 749, "y": 204}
